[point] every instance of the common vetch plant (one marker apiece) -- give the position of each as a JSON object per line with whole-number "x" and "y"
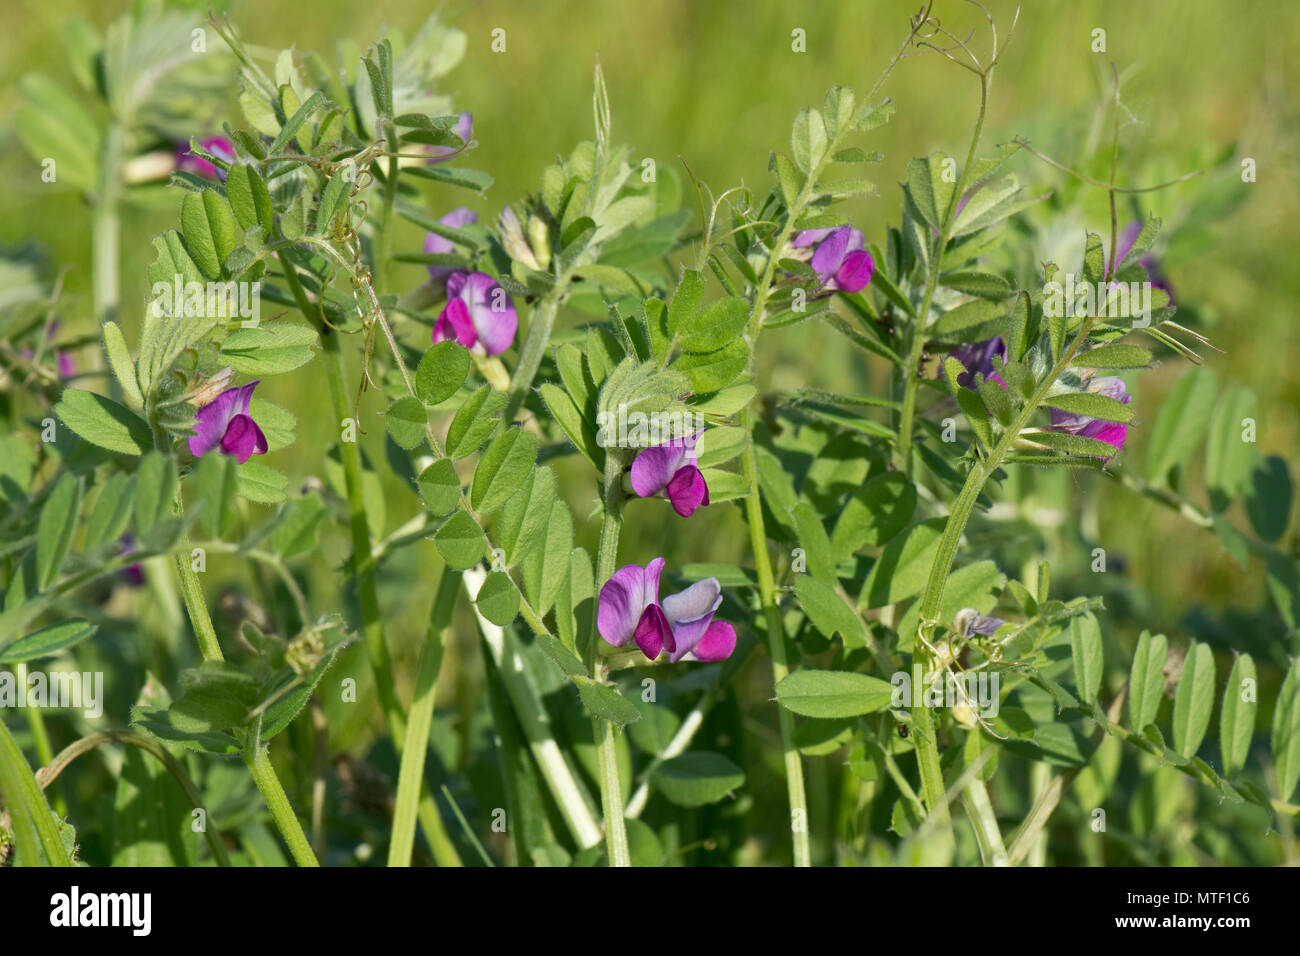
{"x": 578, "y": 365}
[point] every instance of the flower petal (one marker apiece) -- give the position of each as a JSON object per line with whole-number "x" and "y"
{"x": 492, "y": 311}
{"x": 243, "y": 439}
{"x": 454, "y": 323}
{"x": 701, "y": 598}
{"x": 810, "y": 237}
{"x": 687, "y": 490}
{"x": 211, "y": 420}
{"x": 831, "y": 252}
{"x": 623, "y": 600}
{"x": 717, "y": 643}
{"x": 689, "y": 613}
{"x": 653, "y": 632}
{"x": 434, "y": 243}
{"x": 655, "y": 466}
{"x": 854, "y": 273}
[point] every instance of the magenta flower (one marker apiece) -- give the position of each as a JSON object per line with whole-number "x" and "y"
{"x": 225, "y": 423}
{"x": 1112, "y": 433}
{"x": 670, "y": 468}
{"x": 434, "y": 243}
{"x": 630, "y": 609}
{"x": 478, "y": 314}
{"x": 840, "y": 258}
{"x": 464, "y": 128}
{"x": 187, "y": 161}
{"x": 977, "y": 357}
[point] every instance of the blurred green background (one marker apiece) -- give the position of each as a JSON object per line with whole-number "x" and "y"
{"x": 1205, "y": 84}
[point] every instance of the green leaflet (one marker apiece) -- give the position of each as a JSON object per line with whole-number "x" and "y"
{"x": 814, "y": 693}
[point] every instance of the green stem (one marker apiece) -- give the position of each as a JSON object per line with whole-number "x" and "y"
{"x": 775, "y": 648}
{"x": 197, "y": 609}
{"x": 410, "y": 778}
{"x": 259, "y": 765}
{"x": 767, "y": 595}
{"x": 611, "y": 791}
{"x": 530, "y": 357}
{"x": 106, "y": 228}
{"x": 372, "y": 628}
{"x": 927, "y": 750}
{"x": 912, "y": 372}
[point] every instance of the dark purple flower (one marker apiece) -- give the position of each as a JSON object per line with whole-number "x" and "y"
{"x": 840, "y": 258}
{"x": 630, "y": 609}
{"x": 225, "y": 424}
{"x": 434, "y": 243}
{"x": 977, "y": 357}
{"x": 478, "y": 314}
{"x": 132, "y": 574}
{"x": 670, "y": 468}
{"x": 464, "y": 128}
{"x": 189, "y": 162}
{"x": 1112, "y": 433}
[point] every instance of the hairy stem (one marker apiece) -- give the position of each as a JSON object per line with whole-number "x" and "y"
{"x": 611, "y": 791}
{"x": 530, "y": 356}
{"x": 259, "y": 765}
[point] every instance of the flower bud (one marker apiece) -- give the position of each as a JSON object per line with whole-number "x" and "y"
{"x": 205, "y": 393}
{"x": 512, "y": 237}
{"x": 540, "y": 240}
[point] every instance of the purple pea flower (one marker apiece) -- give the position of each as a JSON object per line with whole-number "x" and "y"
{"x": 434, "y": 243}
{"x": 132, "y": 574}
{"x": 187, "y": 161}
{"x": 1112, "y": 433}
{"x": 977, "y": 357}
{"x": 464, "y": 128}
{"x": 970, "y": 622}
{"x": 670, "y": 468}
{"x": 630, "y": 609}
{"x": 840, "y": 258}
{"x": 478, "y": 314}
{"x": 225, "y": 424}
